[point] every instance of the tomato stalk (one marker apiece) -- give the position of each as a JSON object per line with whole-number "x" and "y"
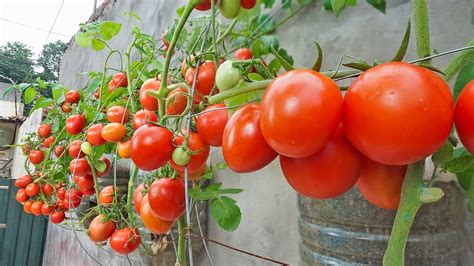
{"x": 422, "y": 29}
{"x": 131, "y": 184}
{"x": 129, "y": 84}
{"x": 96, "y": 182}
{"x": 458, "y": 62}
{"x": 181, "y": 241}
{"x": 240, "y": 88}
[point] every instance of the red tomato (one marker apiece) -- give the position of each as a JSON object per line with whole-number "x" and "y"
{"x": 47, "y": 209}
{"x": 32, "y": 189}
{"x": 58, "y": 150}
{"x": 194, "y": 176}
{"x": 195, "y": 145}
{"x": 142, "y": 117}
{"x": 184, "y": 65}
{"x": 210, "y": 124}
{"x": 75, "y": 150}
{"x": 118, "y": 80}
{"x": 107, "y": 168}
{"x": 125, "y": 241}
{"x": 36, "y": 208}
{"x": 97, "y": 93}
{"x": 60, "y": 193}
{"x": 75, "y": 124}
{"x": 36, "y": 156}
{"x": 23, "y": 181}
{"x": 48, "y": 141}
{"x": 21, "y": 195}
{"x": 57, "y": 217}
{"x": 73, "y": 195}
{"x": 166, "y": 198}
{"x": 205, "y": 5}
{"x": 93, "y": 135}
{"x": 243, "y": 54}
{"x": 151, "y": 221}
{"x": 381, "y": 184}
{"x": 73, "y": 97}
{"x": 117, "y": 113}
{"x": 248, "y": 4}
{"x": 165, "y": 42}
{"x": 176, "y": 101}
{"x": 44, "y": 130}
{"x": 88, "y": 192}
{"x": 101, "y": 229}
{"x": 149, "y": 102}
{"x": 47, "y": 190}
{"x": 113, "y": 132}
{"x": 124, "y": 149}
{"x": 205, "y": 78}
{"x": 464, "y": 116}
{"x": 27, "y": 206}
{"x": 137, "y": 197}
{"x": 66, "y": 107}
{"x": 151, "y": 147}
{"x": 397, "y": 113}
{"x": 327, "y": 174}
{"x": 106, "y": 195}
{"x": 79, "y": 167}
{"x": 243, "y": 146}
{"x": 300, "y": 111}
{"x": 84, "y": 182}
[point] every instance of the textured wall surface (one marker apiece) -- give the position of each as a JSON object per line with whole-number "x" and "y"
{"x": 269, "y": 206}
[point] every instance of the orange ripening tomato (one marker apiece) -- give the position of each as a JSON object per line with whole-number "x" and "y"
{"x": 381, "y": 184}
{"x": 106, "y": 195}
{"x": 138, "y": 197}
{"x": 151, "y": 221}
{"x": 397, "y": 113}
{"x": 124, "y": 149}
{"x": 117, "y": 113}
{"x": 113, "y": 132}
{"x": 464, "y": 116}
{"x": 176, "y": 101}
{"x": 243, "y": 54}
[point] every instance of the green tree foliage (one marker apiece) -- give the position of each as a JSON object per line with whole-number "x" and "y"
{"x": 16, "y": 62}
{"x": 50, "y": 60}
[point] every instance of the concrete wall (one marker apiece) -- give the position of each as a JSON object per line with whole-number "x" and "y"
{"x": 268, "y": 204}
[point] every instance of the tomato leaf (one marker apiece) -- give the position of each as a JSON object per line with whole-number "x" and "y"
{"x": 180, "y": 10}
{"x": 226, "y": 213}
{"x": 100, "y": 166}
{"x": 378, "y": 4}
{"x": 461, "y": 161}
{"x": 97, "y": 45}
{"x": 402, "y": 50}
{"x": 286, "y": 4}
{"x": 465, "y": 75}
{"x": 443, "y": 155}
{"x": 465, "y": 177}
{"x": 230, "y": 191}
{"x": 317, "y": 65}
{"x": 83, "y": 39}
{"x": 57, "y": 91}
{"x": 268, "y": 3}
{"x": 30, "y": 95}
{"x": 41, "y": 102}
{"x": 286, "y": 65}
{"x": 109, "y": 29}
{"x": 337, "y": 6}
{"x": 221, "y": 166}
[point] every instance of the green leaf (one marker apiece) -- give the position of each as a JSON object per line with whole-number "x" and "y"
{"x": 180, "y": 10}
{"x": 230, "y": 191}
{"x": 83, "y": 39}
{"x": 41, "y": 83}
{"x": 327, "y": 4}
{"x": 286, "y": 4}
{"x": 214, "y": 186}
{"x": 226, "y": 213}
{"x": 378, "y": 4}
{"x": 287, "y": 66}
{"x": 274, "y": 66}
{"x": 30, "y": 95}
{"x": 100, "y": 166}
{"x": 351, "y": 2}
{"x": 41, "y": 102}
{"x": 443, "y": 155}
{"x": 221, "y": 166}
{"x": 402, "y": 50}
{"x": 97, "y": 45}
{"x": 133, "y": 15}
{"x": 465, "y": 177}
{"x": 108, "y": 29}
{"x": 246, "y": 15}
{"x": 88, "y": 110}
{"x": 466, "y": 74}
{"x": 209, "y": 173}
{"x": 58, "y": 91}
{"x": 459, "y": 164}
{"x": 337, "y": 6}
{"x": 268, "y": 3}
{"x": 319, "y": 61}
{"x": 254, "y": 77}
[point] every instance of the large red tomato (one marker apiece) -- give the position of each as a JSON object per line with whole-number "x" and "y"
{"x": 243, "y": 146}
{"x": 329, "y": 173}
{"x": 73, "y": 96}
{"x": 21, "y": 195}
{"x": 166, "y": 198}
{"x": 47, "y": 209}
{"x": 464, "y": 116}
{"x": 106, "y": 195}
{"x": 151, "y": 147}
{"x": 300, "y": 111}
{"x": 381, "y": 184}
{"x": 118, "y": 80}
{"x": 57, "y": 217}
{"x": 101, "y": 229}
{"x": 397, "y": 113}
{"x": 199, "y": 152}
{"x": 142, "y": 117}
{"x": 205, "y": 78}
{"x": 204, "y": 5}
{"x": 79, "y": 167}
{"x": 117, "y": 113}
{"x": 125, "y": 241}
{"x": 27, "y": 206}
{"x": 93, "y": 135}
{"x": 32, "y": 189}
{"x": 84, "y": 182}
{"x": 211, "y": 123}
{"x": 47, "y": 189}
{"x": 44, "y": 130}
{"x": 75, "y": 149}
{"x": 138, "y": 197}
{"x": 149, "y": 102}
{"x": 75, "y": 124}
{"x": 151, "y": 221}
{"x": 23, "y": 181}
{"x": 36, "y": 156}
{"x": 36, "y": 207}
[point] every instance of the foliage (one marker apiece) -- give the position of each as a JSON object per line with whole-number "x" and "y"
{"x": 16, "y": 62}
{"x": 50, "y": 60}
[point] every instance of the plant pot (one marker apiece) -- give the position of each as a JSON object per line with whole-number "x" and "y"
{"x": 349, "y": 230}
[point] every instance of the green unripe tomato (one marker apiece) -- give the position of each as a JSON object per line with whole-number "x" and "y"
{"x": 229, "y": 8}
{"x": 227, "y": 76}
{"x": 86, "y": 148}
{"x": 181, "y": 156}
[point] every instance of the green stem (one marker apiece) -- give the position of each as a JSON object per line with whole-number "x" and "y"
{"x": 102, "y": 82}
{"x": 181, "y": 241}
{"x": 240, "y": 88}
{"x": 131, "y": 185}
{"x": 227, "y": 31}
{"x": 129, "y": 86}
{"x": 96, "y": 182}
{"x": 458, "y": 62}
{"x": 340, "y": 73}
{"x": 409, "y": 204}
{"x": 422, "y": 29}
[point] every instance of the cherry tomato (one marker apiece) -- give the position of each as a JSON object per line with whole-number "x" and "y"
{"x": 151, "y": 147}
{"x": 23, "y": 181}
{"x": 243, "y": 140}
{"x": 194, "y": 176}
{"x": 59, "y": 150}
{"x": 66, "y": 107}
{"x": 381, "y": 184}
{"x": 199, "y": 152}
{"x": 48, "y": 141}
{"x": 117, "y": 113}
{"x": 248, "y": 4}
{"x": 88, "y": 192}
{"x": 36, "y": 156}
{"x": 21, "y": 195}
{"x": 47, "y": 189}
{"x": 300, "y": 111}
{"x": 108, "y": 166}
{"x": 106, "y": 195}
{"x": 464, "y": 116}
{"x": 229, "y": 8}
{"x": 113, "y": 132}
{"x": 125, "y": 241}
{"x": 166, "y": 198}
{"x": 32, "y": 189}
{"x": 57, "y": 217}
{"x": 176, "y": 101}
{"x": 124, "y": 149}
{"x": 97, "y": 93}
{"x": 101, "y": 229}
{"x": 165, "y": 42}
{"x": 75, "y": 124}
{"x": 327, "y": 174}
{"x": 47, "y": 209}
{"x": 84, "y": 182}
{"x": 205, "y": 78}
{"x": 60, "y": 193}
{"x": 211, "y": 123}
{"x": 204, "y": 5}
{"x": 44, "y": 130}
{"x": 79, "y": 167}
{"x": 73, "y": 195}
{"x": 27, "y": 206}
{"x": 184, "y": 65}
{"x": 138, "y": 197}
{"x": 243, "y": 54}
{"x": 149, "y": 102}
{"x": 397, "y": 113}
{"x": 93, "y": 135}
{"x": 118, "y": 80}
{"x": 142, "y": 117}
{"x": 75, "y": 149}
{"x": 36, "y": 208}
{"x": 227, "y": 76}
{"x": 151, "y": 221}
{"x": 73, "y": 96}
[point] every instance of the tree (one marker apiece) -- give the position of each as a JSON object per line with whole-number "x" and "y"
{"x": 50, "y": 60}
{"x": 16, "y": 62}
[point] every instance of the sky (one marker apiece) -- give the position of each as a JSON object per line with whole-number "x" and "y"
{"x": 38, "y": 16}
